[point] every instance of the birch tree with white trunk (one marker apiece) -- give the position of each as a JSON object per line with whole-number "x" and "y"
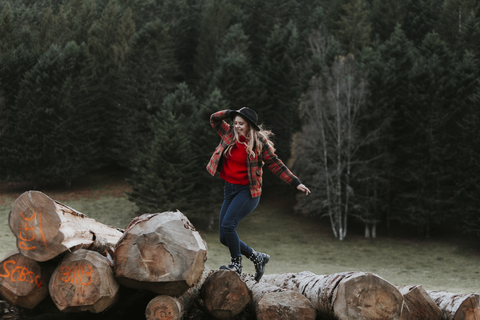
{"x": 327, "y": 151}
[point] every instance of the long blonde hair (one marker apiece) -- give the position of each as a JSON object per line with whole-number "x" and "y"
{"x": 254, "y": 140}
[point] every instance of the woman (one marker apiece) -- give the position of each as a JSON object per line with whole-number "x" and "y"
{"x": 239, "y": 158}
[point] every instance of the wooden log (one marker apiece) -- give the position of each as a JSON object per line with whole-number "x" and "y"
{"x": 45, "y": 228}
{"x": 457, "y": 306}
{"x": 347, "y": 295}
{"x": 274, "y": 303}
{"x": 418, "y": 305}
{"x": 83, "y": 281}
{"x": 23, "y": 281}
{"x": 164, "y": 307}
{"x": 225, "y": 295}
{"x": 161, "y": 253}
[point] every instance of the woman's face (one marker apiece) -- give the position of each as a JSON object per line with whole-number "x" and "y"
{"x": 241, "y": 126}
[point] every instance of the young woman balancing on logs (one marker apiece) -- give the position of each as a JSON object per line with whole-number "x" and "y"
{"x": 239, "y": 158}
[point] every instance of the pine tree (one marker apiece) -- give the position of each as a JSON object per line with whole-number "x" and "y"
{"x": 354, "y": 27}
{"x": 208, "y": 189}
{"x": 13, "y": 66}
{"x": 470, "y": 37}
{"x": 182, "y": 19}
{"x": 421, "y": 17}
{"x": 467, "y": 159}
{"x": 259, "y": 18}
{"x": 56, "y": 120}
{"x": 81, "y": 15}
{"x": 426, "y": 198}
{"x": 235, "y": 76}
{"x": 214, "y": 24}
{"x": 389, "y": 66}
{"x": 281, "y": 55}
{"x": 164, "y": 177}
{"x": 385, "y": 15}
{"x": 451, "y": 23}
{"x": 148, "y": 77}
{"x": 54, "y": 29}
{"x": 108, "y": 43}
{"x": 7, "y": 29}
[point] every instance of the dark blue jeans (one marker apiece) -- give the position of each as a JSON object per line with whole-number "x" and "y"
{"x": 237, "y": 204}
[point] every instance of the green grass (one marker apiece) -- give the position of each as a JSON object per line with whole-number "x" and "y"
{"x": 302, "y": 244}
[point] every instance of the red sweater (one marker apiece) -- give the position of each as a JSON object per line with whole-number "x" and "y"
{"x": 234, "y": 169}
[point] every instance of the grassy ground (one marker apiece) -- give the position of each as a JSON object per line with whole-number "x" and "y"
{"x": 294, "y": 243}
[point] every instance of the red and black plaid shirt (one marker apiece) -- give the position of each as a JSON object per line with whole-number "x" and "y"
{"x": 255, "y": 171}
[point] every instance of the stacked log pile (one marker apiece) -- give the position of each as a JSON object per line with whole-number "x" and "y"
{"x": 155, "y": 269}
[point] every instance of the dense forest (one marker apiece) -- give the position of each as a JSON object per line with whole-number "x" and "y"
{"x": 374, "y": 103}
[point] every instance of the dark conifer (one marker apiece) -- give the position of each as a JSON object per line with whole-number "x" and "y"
{"x": 354, "y": 28}
{"x": 56, "y": 118}
{"x": 281, "y": 56}
{"x": 148, "y": 77}
{"x": 164, "y": 176}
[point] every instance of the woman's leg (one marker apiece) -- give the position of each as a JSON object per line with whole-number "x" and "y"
{"x": 238, "y": 205}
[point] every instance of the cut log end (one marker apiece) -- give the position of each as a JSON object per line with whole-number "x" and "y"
{"x": 367, "y": 296}
{"x": 418, "y": 304}
{"x": 23, "y": 281}
{"x": 163, "y": 308}
{"x": 457, "y": 306}
{"x": 225, "y": 295}
{"x": 35, "y": 224}
{"x": 83, "y": 281}
{"x": 158, "y": 253}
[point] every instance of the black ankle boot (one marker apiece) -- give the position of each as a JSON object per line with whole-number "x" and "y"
{"x": 259, "y": 259}
{"x": 235, "y": 265}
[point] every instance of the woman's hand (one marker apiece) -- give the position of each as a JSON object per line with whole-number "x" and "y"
{"x": 302, "y": 188}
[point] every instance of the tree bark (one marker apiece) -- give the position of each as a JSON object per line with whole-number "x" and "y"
{"x": 23, "y": 281}
{"x": 347, "y": 295}
{"x": 457, "y": 306}
{"x": 161, "y": 253}
{"x": 45, "y": 228}
{"x": 83, "y": 281}
{"x": 418, "y": 305}
{"x": 225, "y": 295}
{"x": 273, "y": 303}
{"x": 164, "y": 307}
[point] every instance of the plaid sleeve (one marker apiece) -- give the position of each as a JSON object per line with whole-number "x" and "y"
{"x": 217, "y": 120}
{"x": 278, "y": 167}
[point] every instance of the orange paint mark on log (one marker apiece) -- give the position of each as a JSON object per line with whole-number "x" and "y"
{"x": 23, "y": 245}
{"x": 38, "y": 281}
{"x": 5, "y": 268}
{"x": 41, "y": 230}
{"x": 28, "y": 219}
{"x": 66, "y": 274}
{"x": 89, "y": 274}
{"x": 24, "y": 275}
{"x": 78, "y": 273}
{"x": 26, "y": 230}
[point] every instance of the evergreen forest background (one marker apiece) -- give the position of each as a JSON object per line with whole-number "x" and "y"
{"x": 374, "y": 103}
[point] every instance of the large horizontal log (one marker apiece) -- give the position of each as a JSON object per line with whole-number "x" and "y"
{"x": 164, "y": 307}
{"x": 225, "y": 295}
{"x": 83, "y": 281}
{"x": 273, "y": 303}
{"x": 23, "y": 281}
{"x": 418, "y": 304}
{"x": 45, "y": 228}
{"x": 345, "y": 296}
{"x": 457, "y": 306}
{"x": 161, "y": 253}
